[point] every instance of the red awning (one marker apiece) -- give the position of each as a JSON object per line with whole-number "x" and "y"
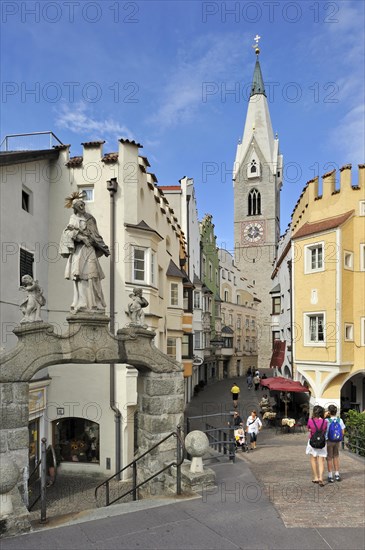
{"x": 278, "y": 355}
{"x": 279, "y": 383}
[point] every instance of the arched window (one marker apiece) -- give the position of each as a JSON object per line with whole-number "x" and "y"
{"x": 226, "y": 295}
{"x": 254, "y": 203}
{"x": 253, "y": 166}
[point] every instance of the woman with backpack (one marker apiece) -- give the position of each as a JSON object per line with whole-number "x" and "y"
{"x": 316, "y": 446}
{"x": 335, "y": 434}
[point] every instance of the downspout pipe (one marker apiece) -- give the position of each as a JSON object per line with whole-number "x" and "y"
{"x": 289, "y": 263}
{"x": 112, "y": 186}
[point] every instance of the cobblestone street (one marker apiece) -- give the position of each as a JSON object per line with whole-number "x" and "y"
{"x": 283, "y": 471}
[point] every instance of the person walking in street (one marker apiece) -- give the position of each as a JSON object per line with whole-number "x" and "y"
{"x": 316, "y": 446}
{"x": 235, "y": 391}
{"x": 253, "y": 426}
{"x": 249, "y": 381}
{"x": 237, "y": 420}
{"x": 334, "y": 435}
{"x": 256, "y": 380}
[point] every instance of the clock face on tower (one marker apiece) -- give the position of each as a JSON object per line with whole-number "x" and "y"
{"x": 253, "y": 232}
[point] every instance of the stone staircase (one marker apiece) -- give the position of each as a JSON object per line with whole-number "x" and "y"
{"x": 76, "y": 493}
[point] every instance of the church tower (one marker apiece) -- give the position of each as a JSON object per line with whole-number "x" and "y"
{"x": 257, "y": 179}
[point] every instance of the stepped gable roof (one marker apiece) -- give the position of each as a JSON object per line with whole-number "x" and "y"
{"x": 74, "y": 162}
{"x": 174, "y": 271}
{"x": 310, "y": 228}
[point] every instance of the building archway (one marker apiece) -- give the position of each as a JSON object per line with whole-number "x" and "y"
{"x": 160, "y": 382}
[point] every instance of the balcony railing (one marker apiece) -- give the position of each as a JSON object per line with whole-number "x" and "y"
{"x": 33, "y": 141}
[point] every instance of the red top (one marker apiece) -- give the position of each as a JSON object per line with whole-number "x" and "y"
{"x": 315, "y": 424}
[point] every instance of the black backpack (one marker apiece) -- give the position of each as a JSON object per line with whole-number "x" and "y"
{"x": 318, "y": 439}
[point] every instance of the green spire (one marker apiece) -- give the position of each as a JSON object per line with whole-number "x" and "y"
{"x": 258, "y": 86}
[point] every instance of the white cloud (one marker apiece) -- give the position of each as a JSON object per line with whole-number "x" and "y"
{"x": 209, "y": 59}
{"x": 348, "y": 138}
{"x": 344, "y": 50}
{"x": 78, "y": 119}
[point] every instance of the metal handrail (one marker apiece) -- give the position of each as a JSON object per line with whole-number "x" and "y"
{"x": 223, "y": 443}
{"x": 133, "y": 464}
{"x": 354, "y": 442}
{"x": 39, "y": 463}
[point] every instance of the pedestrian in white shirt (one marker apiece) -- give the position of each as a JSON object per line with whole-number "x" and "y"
{"x": 253, "y": 426}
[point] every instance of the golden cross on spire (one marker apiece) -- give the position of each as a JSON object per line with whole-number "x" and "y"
{"x": 256, "y": 46}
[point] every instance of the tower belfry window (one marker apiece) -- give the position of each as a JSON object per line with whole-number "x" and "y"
{"x": 253, "y": 167}
{"x": 254, "y": 202}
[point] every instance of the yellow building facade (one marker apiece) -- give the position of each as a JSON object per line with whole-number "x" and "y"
{"x": 328, "y": 288}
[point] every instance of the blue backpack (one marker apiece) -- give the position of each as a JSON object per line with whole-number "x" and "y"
{"x": 334, "y": 430}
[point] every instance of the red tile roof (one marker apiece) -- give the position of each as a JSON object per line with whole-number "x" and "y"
{"x": 110, "y": 157}
{"x": 91, "y": 144}
{"x": 322, "y": 225}
{"x": 327, "y": 174}
{"x": 131, "y": 141}
{"x": 74, "y": 161}
{"x": 170, "y": 187}
{"x": 61, "y": 147}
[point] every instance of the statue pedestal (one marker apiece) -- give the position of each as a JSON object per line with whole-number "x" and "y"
{"x": 196, "y": 481}
{"x": 92, "y": 318}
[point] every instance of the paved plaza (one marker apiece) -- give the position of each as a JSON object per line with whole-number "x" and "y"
{"x": 265, "y": 500}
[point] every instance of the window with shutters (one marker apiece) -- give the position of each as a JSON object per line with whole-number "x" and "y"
{"x": 26, "y": 263}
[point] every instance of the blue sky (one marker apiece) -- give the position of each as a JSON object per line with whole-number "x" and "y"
{"x": 160, "y": 72}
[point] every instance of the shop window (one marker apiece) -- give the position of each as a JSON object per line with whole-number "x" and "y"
{"x": 76, "y": 440}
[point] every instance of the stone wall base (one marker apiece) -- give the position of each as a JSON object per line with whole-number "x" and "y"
{"x": 17, "y": 522}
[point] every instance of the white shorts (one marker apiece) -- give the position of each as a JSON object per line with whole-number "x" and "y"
{"x": 316, "y": 452}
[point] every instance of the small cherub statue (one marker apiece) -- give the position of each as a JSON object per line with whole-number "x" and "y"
{"x": 135, "y": 307}
{"x": 31, "y": 306}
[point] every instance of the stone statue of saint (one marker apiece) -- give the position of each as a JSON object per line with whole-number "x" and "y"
{"x": 31, "y": 306}
{"x": 135, "y": 307}
{"x": 82, "y": 245}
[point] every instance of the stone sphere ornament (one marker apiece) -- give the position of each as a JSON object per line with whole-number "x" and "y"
{"x": 9, "y": 477}
{"x": 196, "y": 444}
